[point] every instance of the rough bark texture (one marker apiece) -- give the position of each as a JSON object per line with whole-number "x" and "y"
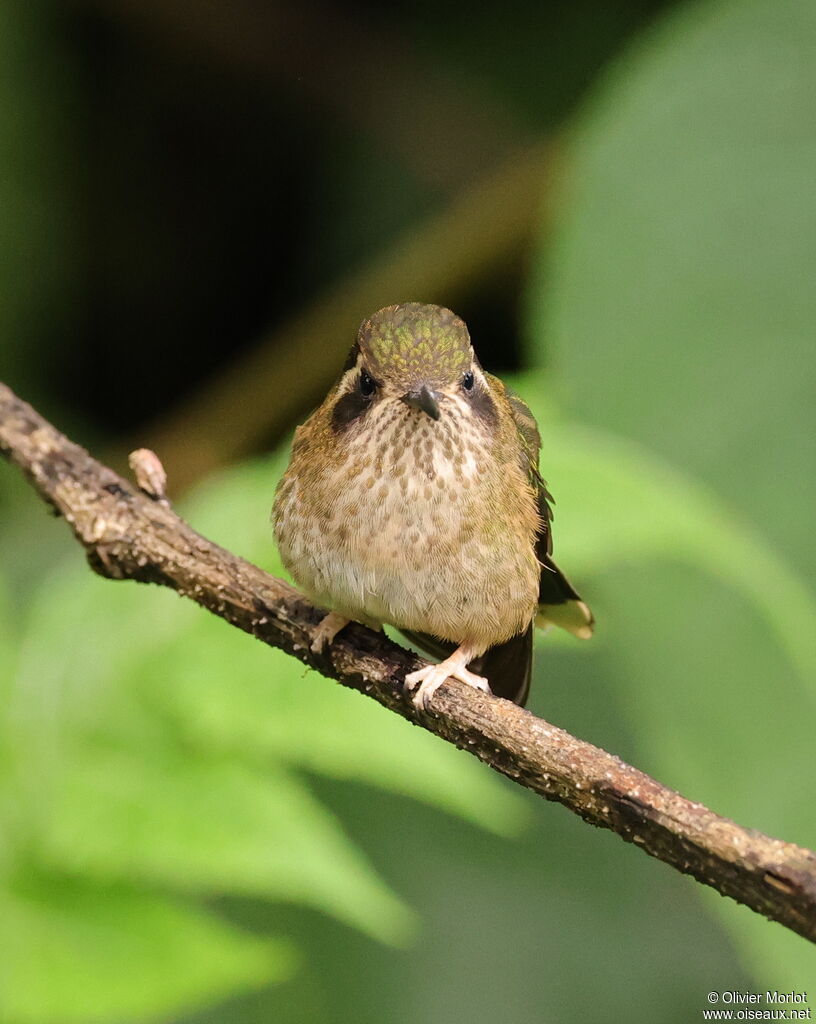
{"x": 129, "y": 535}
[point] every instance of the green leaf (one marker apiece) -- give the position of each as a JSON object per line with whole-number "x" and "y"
{"x": 679, "y": 312}
{"x": 219, "y": 826}
{"x": 8, "y": 658}
{"x": 655, "y": 517}
{"x": 79, "y": 952}
{"x": 676, "y": 297}
{"x": 7, "y": 644}
{"x": 280, "y": 710}
{"x": 651, "y": 510}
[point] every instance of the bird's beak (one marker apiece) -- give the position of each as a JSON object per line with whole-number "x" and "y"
{"x": 424, "y": 399}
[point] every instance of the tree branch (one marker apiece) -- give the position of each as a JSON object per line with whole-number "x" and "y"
{"x": 129, "y": 535}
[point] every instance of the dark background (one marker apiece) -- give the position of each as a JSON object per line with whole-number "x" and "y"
{"x": 214, "y": 169}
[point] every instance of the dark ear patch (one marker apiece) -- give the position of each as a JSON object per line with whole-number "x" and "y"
{"x": 348, "y": 408}
{"x": 484, "y": 406}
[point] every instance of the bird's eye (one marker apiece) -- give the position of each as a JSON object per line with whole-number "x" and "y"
{"x": 367, "y": 384}
{"x": 467, "y": 381}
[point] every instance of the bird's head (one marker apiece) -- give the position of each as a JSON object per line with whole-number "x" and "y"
{"x": 417, "y": 355}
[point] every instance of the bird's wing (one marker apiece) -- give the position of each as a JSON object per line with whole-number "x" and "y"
{"x": 558, "y": 602}
{"x": 508, "y": 666}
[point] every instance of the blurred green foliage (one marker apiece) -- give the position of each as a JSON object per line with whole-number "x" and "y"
{"x": 681, "y": 302}
{"x": 162, "y": 753}
{"x": 188, "y": 818}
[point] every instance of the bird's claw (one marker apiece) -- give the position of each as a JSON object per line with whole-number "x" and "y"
{"x": 327, "y": 629}
{"x": 431, "y": 677}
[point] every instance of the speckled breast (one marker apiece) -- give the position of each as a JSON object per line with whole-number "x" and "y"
{"x": 425, "y": 529}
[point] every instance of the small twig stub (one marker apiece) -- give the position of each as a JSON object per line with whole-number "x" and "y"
{"x": 149, "y": 473}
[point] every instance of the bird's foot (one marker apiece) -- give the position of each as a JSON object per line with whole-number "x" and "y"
{"x": 327, "y": 629}
{"x": 432, "y": 677}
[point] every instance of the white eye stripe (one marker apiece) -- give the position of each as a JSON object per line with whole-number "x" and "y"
{"x": 348, "y": 382}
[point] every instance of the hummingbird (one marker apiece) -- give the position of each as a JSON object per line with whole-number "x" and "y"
{"x": 413, "y": 497}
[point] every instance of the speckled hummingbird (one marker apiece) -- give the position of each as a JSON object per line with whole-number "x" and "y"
{"x": 413, "y": 497}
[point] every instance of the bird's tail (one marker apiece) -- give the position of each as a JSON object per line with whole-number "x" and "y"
{"x": 560, "y": 605}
